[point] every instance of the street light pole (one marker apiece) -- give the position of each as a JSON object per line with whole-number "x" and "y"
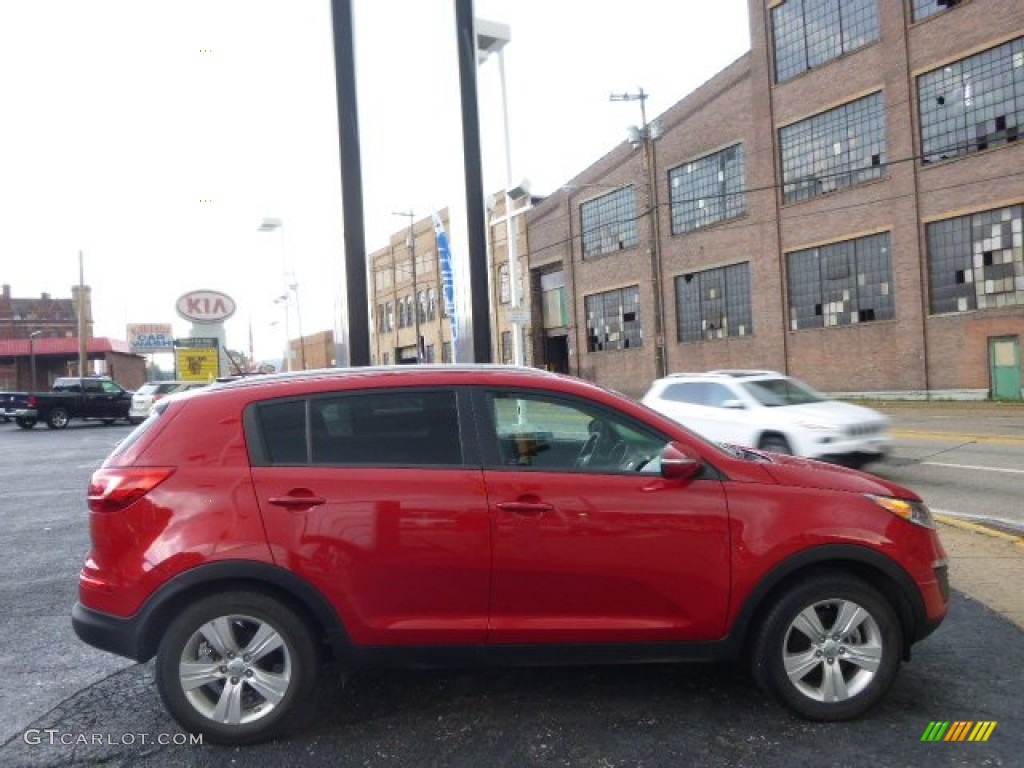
{"x": 646, "y": 137}
{"x": 270, "y": 224}
{"x": 492, "y": 38}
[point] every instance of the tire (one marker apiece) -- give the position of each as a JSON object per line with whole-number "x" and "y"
{"x": 837, "y": 675}
{"x": 25, "y": 423}
{"x": 205, "y": 635}
{"x": 775, "y": 444}
{"x": 58, "y": 418}
{"x": 108, "y": 422}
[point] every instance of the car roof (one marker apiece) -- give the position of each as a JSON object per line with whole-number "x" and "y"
{"x": 388, "y": 375}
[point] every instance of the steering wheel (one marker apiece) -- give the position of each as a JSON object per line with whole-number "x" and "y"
{"x": 587, "y": 451}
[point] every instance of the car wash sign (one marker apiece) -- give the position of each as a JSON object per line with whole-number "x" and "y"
{"x": 145, "y": 338}
{"x": 205, "y": 306}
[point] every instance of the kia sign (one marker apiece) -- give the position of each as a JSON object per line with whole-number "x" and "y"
{"x": 150, "y": 337}
{"x": 206, "y": 306}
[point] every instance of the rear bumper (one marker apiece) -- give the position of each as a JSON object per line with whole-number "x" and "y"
{"x": 25, "y": 413}
{"x": 108, "y": 633}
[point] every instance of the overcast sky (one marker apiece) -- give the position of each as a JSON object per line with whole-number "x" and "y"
{"x": 154, "y": 135}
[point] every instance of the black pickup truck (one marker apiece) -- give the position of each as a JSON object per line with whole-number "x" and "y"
{"x": 74, "y": 398}
{"x": 10, "y": 402}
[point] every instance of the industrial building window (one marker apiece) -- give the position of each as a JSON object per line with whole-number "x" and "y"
{"x": 608, "y": 223}
{"x": 833, "y": 150}
{"x": 707, "y": 190}
{"x": 446, "y": 352}
{"x": 431, "y": 304}
{"x": 613, "y": 320}
{"x": 841, "y": 284}
{"x": 925, "y": 8}
{"x": 809, "y": 33}
{"x": 504, "y": 289}
{"x": 972, "y": 104}
{"x": 714, "y": 304}
{"x": 976, "y": 261}
{"x": 506, "y": 347}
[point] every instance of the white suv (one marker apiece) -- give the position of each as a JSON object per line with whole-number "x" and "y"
{"x": 772, "y": 412}
{"x": 148, "y": 394}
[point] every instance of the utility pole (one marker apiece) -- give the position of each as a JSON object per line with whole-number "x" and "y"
{"x": 83, "y": 342}
{"x": 411, "y": 242}
{"x": 644, "y": 135}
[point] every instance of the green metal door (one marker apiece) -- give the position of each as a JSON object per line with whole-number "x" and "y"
{"x": 1004, "y": 364}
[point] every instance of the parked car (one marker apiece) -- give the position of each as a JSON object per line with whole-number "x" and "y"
{"x": 481, "y": 514}
{"x": 769, "y": 411}
{"x": 11, "y": 402}
{"x": 153, "y": 391}
{"x": 91, "y": 397}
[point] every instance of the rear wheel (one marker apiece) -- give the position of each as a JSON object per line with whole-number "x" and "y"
{"x": 238, "y": 667}
{"x": 25, "y": 422}
{"x": 830, "y": 648}
{"x": 58, "y": 418}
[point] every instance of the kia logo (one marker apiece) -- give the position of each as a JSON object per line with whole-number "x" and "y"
{"x": 205, "y": 306}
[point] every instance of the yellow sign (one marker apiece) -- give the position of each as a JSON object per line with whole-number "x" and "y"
{"x": 200, "y": 364}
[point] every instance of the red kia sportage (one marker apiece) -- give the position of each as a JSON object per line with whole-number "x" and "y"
{"x": 245, "y": 533}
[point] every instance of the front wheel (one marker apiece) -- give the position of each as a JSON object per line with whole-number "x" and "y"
{"x": 829, "y": 648}
{"x": 58, "y": 418}
{"x": 238, "y": 667}
{"x": 775, "y": 444}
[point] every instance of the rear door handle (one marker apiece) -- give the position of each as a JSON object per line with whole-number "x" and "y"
{"x": 297, "y": 502}
{"x": 524, "y": 507}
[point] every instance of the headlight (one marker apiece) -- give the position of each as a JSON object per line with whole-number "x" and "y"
{"x": 915, "y": 512}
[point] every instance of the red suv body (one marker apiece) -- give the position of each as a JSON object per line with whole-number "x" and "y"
{"x": 485, "y": 515}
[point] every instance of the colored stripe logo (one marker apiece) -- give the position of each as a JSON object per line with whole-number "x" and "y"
{"x": 958, "y": 730}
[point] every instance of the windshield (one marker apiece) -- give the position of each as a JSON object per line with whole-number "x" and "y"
{"x": 775, "y": 392}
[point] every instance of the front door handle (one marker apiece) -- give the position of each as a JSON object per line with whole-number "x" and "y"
{"x": 524, "y": 507}
{"x": 297, "y": 500}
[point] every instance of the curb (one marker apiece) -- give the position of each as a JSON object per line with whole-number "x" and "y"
{"x": 980, "y": 528}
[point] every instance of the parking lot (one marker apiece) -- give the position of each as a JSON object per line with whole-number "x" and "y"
{"x": 67, "y": 704}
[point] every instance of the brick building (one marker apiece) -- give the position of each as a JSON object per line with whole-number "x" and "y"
{"x": 843, "y": 203}
{"x": 312, "y": 351}
{"x": 40, "y": 336}
{"x": 406, "y": 295}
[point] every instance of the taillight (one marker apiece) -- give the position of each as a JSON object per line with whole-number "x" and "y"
{"x": 32, "y": 401}
{"x": 117, "y": 487}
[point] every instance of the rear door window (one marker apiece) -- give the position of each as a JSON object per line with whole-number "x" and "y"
{"x": 408, "y": 428}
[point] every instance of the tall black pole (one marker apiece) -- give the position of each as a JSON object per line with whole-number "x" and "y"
{"x": 356, "y": 330}
{"x": 476, "y": 225}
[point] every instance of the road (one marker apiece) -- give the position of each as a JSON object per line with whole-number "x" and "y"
{"x": 56, "y": 690}
{"x": 965, "y": 460}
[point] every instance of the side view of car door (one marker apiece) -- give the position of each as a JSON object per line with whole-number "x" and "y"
{"x": 372, "y": 497}
{"x": 590, "y": 543}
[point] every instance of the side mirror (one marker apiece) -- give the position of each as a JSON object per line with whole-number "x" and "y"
{"x": 680, "y": 462}
{"x": 734, "y": 404}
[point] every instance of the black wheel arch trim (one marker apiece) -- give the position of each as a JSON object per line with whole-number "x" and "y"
{"x": 896, "y": 583}
{"x": 138, "y": 636}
